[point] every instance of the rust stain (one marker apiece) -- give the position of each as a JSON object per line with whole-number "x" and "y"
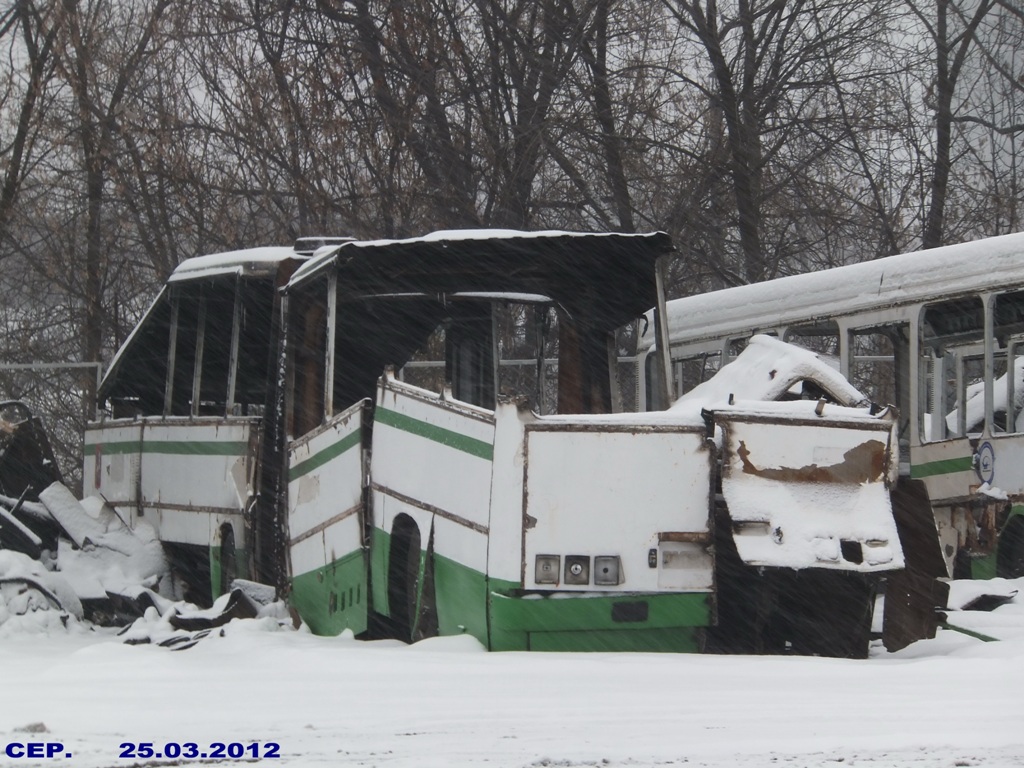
{"x": 686, "y": 537}
{"x": 864, "y": 463}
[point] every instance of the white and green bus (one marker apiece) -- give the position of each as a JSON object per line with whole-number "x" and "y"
{"x": 936, "y": 333}
{"x": 267, "y": 418}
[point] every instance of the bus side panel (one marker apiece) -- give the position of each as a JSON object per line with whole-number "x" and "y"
{"x": 111, "y": 466}
{"x": 196, "y": 480}
{"x": 325, "y": 526}
{"x": 946, "y": 468}
{"x": 650, "y": 490}
{"x": 642, "y": 578}
{"x": 431, "y": 478}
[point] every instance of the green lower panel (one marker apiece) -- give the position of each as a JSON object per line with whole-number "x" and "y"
{"x": 647, "y": 622}
{"x": 678, "y": 640}
{"x": 983, "y": 567}
{"x": 380, "y": 546}
{"x": 218, "y": 582}
{"x": 461, "y": 595}
{"x": 333, "y": 598}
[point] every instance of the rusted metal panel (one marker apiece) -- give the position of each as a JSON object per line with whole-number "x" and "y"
{"x": 806, "y": 494}
{"x": 866, "y": 462}
{"x": 686, "y": 537}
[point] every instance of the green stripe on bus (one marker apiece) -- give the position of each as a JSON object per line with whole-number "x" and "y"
{"x": 317, "y": 460}
{"x": 942, "y": 467}
{"x": 440, "y": 435}
{"x": 173, "y": 447}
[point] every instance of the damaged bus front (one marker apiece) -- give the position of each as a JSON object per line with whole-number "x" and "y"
{"x": 804, "y": 524}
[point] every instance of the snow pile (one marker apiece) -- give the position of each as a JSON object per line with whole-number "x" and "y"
{"x": 180, "y": 625}
{"x": 327, "y": 701}
{"x": 101, "y": 554}
{"x": 118, "y": 561}
{"x": 32, "y": 599}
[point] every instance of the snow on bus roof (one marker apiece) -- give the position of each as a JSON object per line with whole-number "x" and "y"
{"x": 245, "y": 261}
{"x": 908, "y": 278}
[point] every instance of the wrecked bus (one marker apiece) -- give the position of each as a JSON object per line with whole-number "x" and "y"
{"x": 936, "y": 333}
{"x": 267, "y": 419}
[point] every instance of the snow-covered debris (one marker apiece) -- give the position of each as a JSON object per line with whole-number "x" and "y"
{"x": 258, "y": 594}
{"x": 33, "y": 599}
{"x": 805, "y": 480}
{"x": 181, "y": 625}
{"x": 767, "y": 370}
{"x": 964, "y": 594}
{"x": 119, "y": 561}
{"x": 101, "y": 561}
{"x": 974, "y": 397}
{"x": 17, "y": 536}
{"x": 80, "y": 527}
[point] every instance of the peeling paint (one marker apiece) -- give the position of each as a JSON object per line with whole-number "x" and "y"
{"x": 864, "y": 463}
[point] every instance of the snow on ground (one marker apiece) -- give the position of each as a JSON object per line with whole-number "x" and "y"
{"x": 951, "y": 701}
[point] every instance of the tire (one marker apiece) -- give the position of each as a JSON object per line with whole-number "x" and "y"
{"x": 830, "y": 614}
{"x": 1010, "y": 553}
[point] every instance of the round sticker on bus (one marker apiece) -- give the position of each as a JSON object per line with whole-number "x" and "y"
{"x": 985, "y": 464}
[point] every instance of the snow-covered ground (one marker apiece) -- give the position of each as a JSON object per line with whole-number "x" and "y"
{"x": 951, "y": 701}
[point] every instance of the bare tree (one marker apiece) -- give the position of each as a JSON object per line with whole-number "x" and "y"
{"x": 28, "y": 31}
{"x": 951, "y": 27}
{"x": 766, "y": 65}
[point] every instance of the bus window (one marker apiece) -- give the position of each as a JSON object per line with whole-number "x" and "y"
{"x": 309, "y": 351}
{"x": 185, "y": 324}
{"x": 1008, "y": 389}
{"x": 952, "y": 402}
{"x": 527, "y": 338}
{"x": 736, "y": 346}
{"x": 691, "y": 371}
{"x": 822, "y": 339}
{"x": 461, "y": 352}
{"x": 1005, "y": 390}
{"x": 872, "y": 365}
{"x": 880, "y": 367}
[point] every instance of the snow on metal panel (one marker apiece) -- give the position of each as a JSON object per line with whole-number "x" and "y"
{"x": 988, "y": 264}
{"x": 802, "y": 496}
{"x": 598, "y": 492}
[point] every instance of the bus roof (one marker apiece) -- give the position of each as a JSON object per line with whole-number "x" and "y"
{"x": 249, "y": 261}
{"x": 608, "y": 273}
{"x": 909, "y": 278}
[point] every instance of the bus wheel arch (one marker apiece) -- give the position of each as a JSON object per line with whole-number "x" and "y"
{"x": 411, "y": 603}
